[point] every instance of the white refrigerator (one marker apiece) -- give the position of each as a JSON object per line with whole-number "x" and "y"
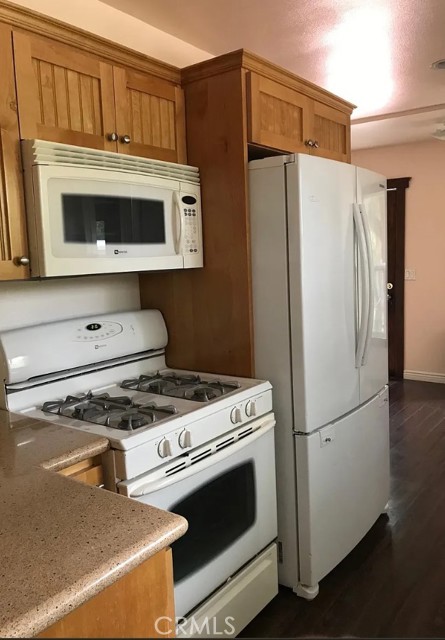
{"x": 318, "y": 243}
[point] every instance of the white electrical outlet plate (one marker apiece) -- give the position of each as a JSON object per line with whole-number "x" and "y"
{"x": 410, "y": 274}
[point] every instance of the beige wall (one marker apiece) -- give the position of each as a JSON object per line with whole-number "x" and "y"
{"x": 424, "y": 162}
{"x": 108, "y": 22}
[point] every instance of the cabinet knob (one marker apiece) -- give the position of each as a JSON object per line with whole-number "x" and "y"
{"x": 309, "y": 143}
{"x": 23, "y": 261}
{"x": 112, "y": 137}
{"x": 126, "y": 139}
{"x": 315, "y": 144}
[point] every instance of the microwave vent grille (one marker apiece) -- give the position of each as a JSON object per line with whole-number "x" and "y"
{"x": 43, "y": 152}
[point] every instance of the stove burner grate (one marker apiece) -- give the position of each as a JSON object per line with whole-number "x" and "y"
{"x": 117, "y": 412}
{"x": 186, "y": 386}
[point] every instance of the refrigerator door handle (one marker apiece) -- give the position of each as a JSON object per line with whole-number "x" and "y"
{"x": 370, "y": 318}
{"x": 363, "y": 285}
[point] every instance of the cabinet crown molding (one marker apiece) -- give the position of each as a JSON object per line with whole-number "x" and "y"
{"x": 243, "y": 59}
{"x": 26, "y": 19}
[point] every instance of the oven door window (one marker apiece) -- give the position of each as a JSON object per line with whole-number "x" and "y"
{"x": 219, "y": 513}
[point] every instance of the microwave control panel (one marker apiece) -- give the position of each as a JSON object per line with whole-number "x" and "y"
{"x": 190, "y": 211}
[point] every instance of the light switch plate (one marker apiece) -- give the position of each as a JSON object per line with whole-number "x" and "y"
{"x": 410, "y": 274}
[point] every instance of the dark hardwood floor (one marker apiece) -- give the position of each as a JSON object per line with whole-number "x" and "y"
{"x": 393, "y": 582}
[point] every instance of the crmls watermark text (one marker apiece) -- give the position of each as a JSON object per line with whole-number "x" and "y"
{"x": 191, "y": 626}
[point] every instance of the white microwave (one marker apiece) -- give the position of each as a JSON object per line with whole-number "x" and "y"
{"x": 92, "y": 211}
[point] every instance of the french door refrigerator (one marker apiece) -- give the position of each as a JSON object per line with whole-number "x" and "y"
{"x": 318, "y": 243}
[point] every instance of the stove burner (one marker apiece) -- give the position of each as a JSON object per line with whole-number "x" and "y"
{"x": 156, "y": 386}
{"x": 87, "y": 411}
{"x": 130, "y": 421}
{"x": 202, "y": 394}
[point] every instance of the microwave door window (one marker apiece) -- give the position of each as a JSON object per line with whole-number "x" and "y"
{"x": 104, "y": 221}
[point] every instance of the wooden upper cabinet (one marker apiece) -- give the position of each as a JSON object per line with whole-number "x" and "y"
{"x": 331, "y": 132}
{"x": 67, "y": 96}
{"x": 150, "y": 116}
{"x": 13, "y": 241}
{"x": 277, "y": 116}
{"x": 282, "y": 118}
{"x": 63, "y": 94}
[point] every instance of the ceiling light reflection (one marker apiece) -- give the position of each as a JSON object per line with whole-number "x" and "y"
{"x": 359, "y": 65}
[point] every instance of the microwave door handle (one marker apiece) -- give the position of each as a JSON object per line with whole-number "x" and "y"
{"x": 178, "y": 221}
{"x": 144, "y": 487}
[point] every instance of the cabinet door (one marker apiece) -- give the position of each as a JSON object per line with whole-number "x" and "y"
{"x": 13, "y": 242}
{"x": 140, "y": 604}
{"x": 150, "y": 116}
{"x": 89, "y": 471}
{"x": 63, "y": 95}
{"x": 277, "y": 116}
{"x": 331, "y": 132}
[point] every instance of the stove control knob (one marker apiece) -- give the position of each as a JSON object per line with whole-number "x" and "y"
{"x": 251, "y": 409}
{"x": 185, "y": 439}
{"x": 236, "y": 416}
{"x": 164, "y": 448}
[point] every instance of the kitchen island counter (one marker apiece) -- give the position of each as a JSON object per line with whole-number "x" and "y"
{"x": 63, "y": 541}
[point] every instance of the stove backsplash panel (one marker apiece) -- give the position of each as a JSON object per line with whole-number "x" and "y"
{"x": 36, "y": 301}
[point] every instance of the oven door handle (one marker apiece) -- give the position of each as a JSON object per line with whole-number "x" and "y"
{"x": 144, "y": 487}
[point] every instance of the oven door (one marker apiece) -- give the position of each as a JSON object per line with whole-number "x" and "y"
{"x": 229, "y": 501}
{"x": 95, "y": 221}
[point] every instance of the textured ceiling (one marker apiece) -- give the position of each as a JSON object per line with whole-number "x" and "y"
{"x": 374, "y": 53}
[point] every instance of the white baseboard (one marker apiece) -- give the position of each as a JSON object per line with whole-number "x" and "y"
{"x": 424, "y": 376}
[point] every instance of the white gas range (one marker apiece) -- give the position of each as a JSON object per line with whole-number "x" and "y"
{"x": 194, "y": 443}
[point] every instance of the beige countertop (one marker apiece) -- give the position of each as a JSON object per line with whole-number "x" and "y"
{"x": 63, "y": 541}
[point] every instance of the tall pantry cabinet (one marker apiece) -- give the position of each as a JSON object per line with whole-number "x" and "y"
{"x": 238, "y": 107}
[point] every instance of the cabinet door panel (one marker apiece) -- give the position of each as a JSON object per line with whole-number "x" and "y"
{"x": 63, "y": 95}
{"x": 150, "y": 111}
{"x": 331, "y": 130}
{"x": 13, "y": 241}
{"x": 278, "y": 117}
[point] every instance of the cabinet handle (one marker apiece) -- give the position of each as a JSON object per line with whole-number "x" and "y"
{"x": 23, "y": 261}
{"x": 112, "y": 137}
{"x": 309, "y": 143}
{"x": 315, "y": 144}
{"x": 126, "y": 139}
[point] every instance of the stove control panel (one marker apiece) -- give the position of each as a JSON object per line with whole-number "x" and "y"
{"x": 94, "y": 331}
{"x": 170, "y": 442}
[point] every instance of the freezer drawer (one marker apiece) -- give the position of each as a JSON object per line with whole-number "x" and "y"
{"x": 342, "y": 486}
